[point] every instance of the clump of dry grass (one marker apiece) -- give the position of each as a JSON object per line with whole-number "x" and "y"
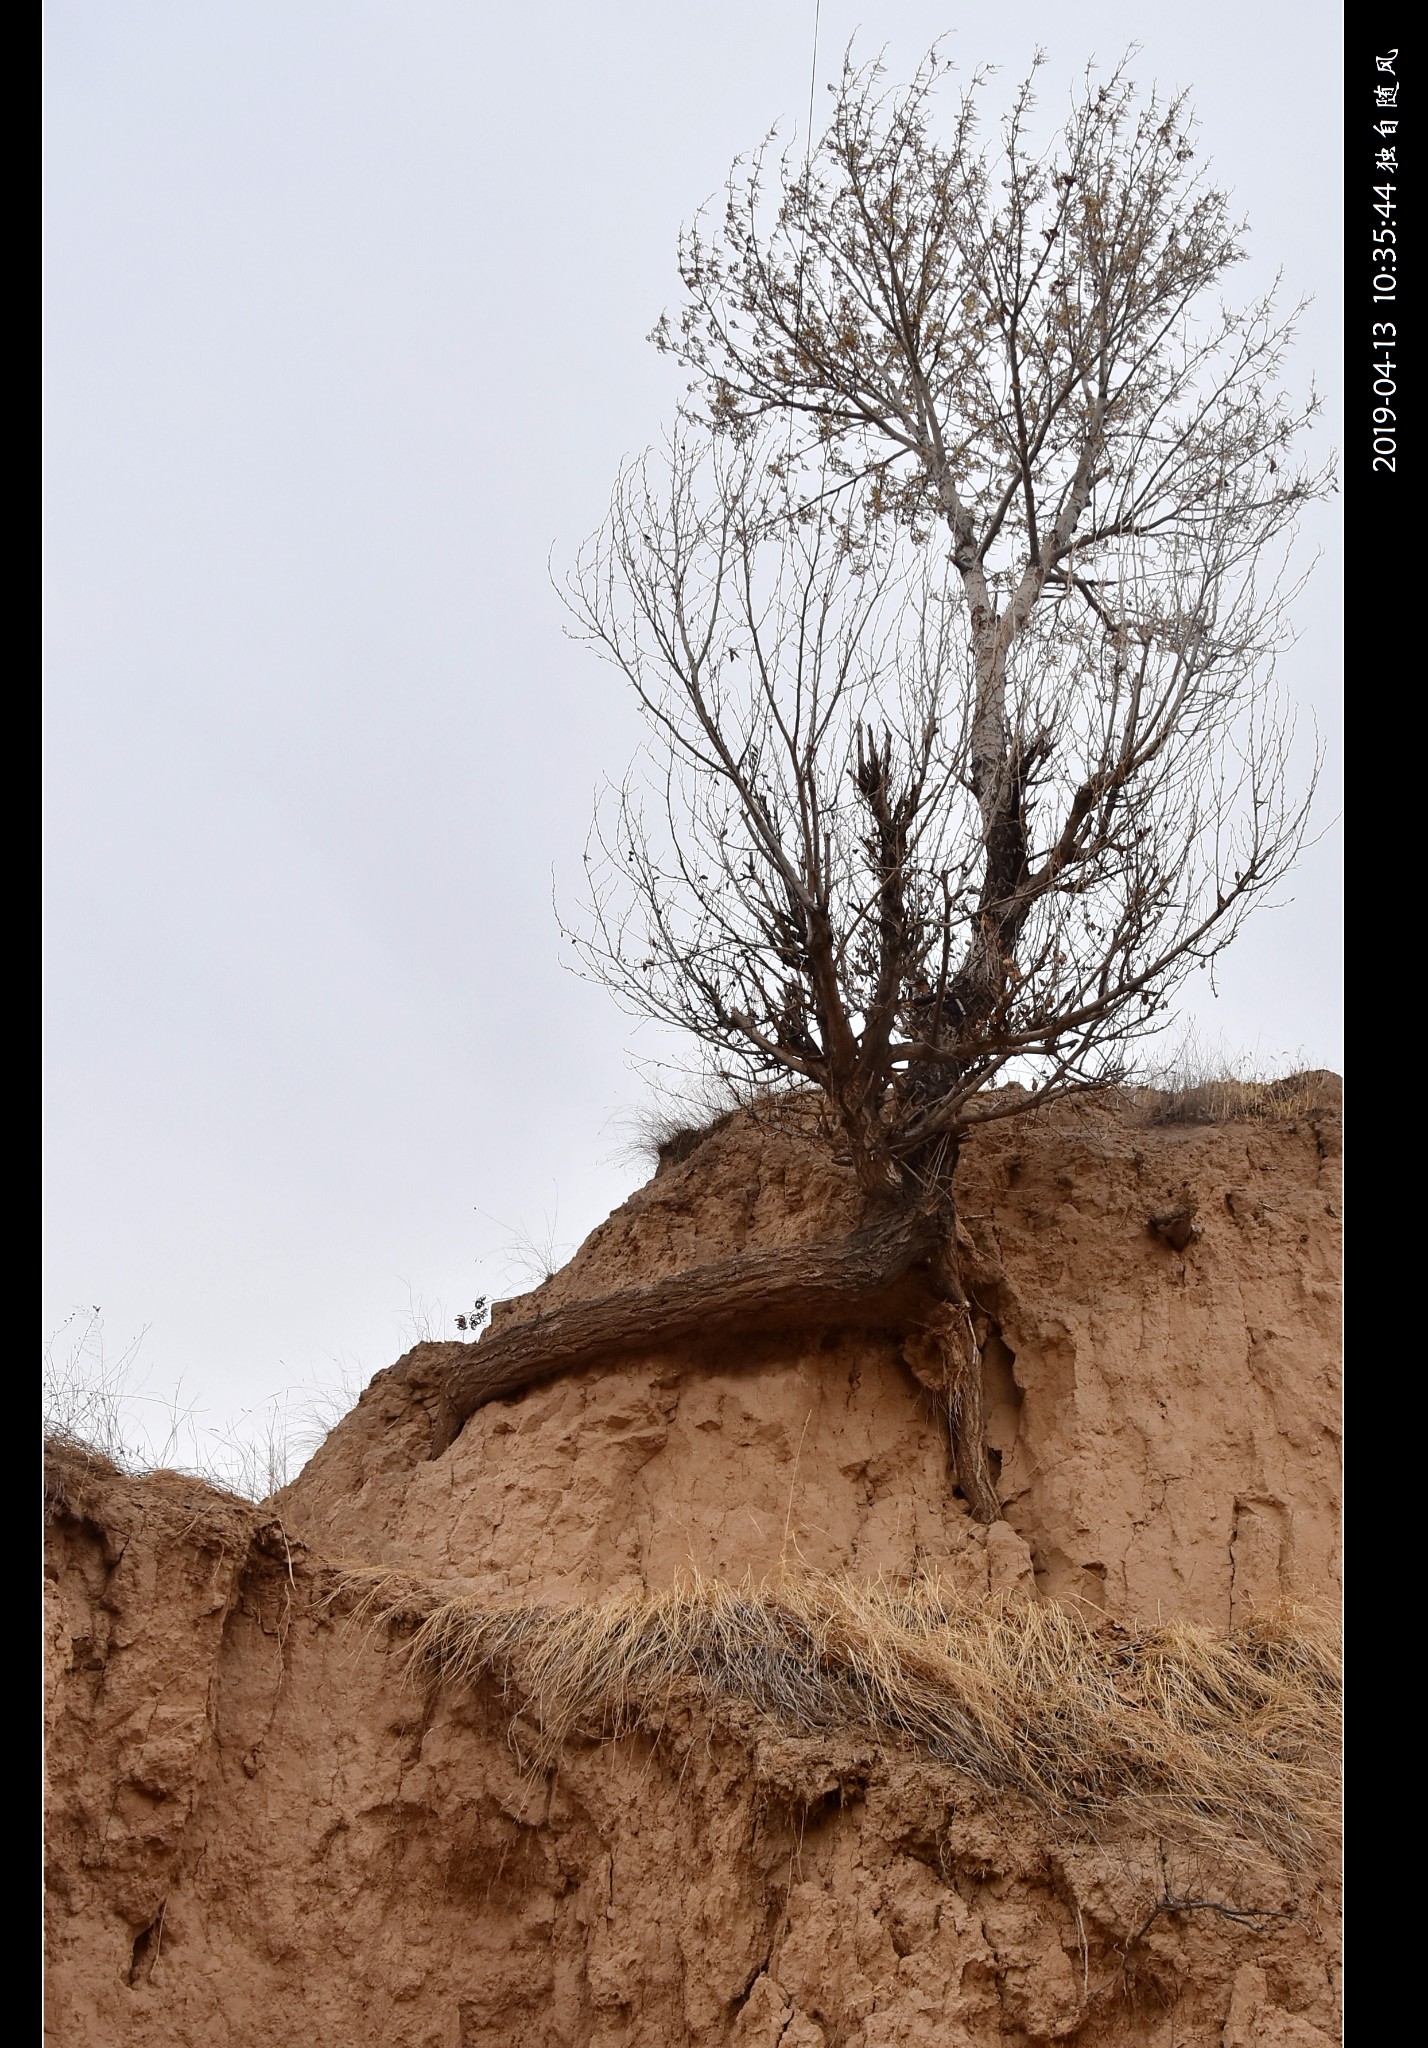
{"x": 1227, "y": 1740}
{"x": 1209, "y": 1084}
{"x": 103, "y": 1409}
{"x": 1226, "y": 1099}
{"x": 675, "y": 1121}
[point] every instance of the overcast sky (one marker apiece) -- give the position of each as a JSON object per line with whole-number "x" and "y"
{"x": 347, "y": 306}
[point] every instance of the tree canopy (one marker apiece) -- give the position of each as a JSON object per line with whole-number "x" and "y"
{"x": 952, "y": 603}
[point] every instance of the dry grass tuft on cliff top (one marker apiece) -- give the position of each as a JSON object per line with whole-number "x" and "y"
{"x": 1229, "y": 1741}
{"x": 1225, "y": 1099}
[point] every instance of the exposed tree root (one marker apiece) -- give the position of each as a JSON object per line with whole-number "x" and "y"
{"x": 801, "y": 1286}
{"x": 869, "y": 1276}
{"x": 941, "y": 1352}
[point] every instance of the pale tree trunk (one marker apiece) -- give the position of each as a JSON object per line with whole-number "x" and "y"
{"x": 996, "y": 769}
{"x": 989, "y": 736}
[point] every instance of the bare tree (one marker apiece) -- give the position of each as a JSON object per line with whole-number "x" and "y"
{"x": 952, "y": 606}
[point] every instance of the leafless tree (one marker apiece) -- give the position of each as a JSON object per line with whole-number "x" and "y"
{"x": 952, "y": 606}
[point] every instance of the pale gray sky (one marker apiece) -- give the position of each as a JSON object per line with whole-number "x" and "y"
{"x": 347, "y": 306}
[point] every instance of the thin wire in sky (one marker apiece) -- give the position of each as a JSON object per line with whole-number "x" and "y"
{"x": 812, "y": 81}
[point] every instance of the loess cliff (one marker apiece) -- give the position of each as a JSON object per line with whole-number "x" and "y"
{"x": 271, "y": 1823}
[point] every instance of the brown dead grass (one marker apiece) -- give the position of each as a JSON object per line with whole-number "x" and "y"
{"x": 1223, "y": 1098}
{"x": 1230, "y": 1741}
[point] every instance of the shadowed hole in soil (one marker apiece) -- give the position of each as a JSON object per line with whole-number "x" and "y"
{"x": 147, "y": 1943}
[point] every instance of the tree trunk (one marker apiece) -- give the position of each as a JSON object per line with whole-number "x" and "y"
{"x": 803, "y": 1287}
